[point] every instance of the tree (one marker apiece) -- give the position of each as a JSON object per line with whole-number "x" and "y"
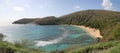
{"x": 1, "y": 37}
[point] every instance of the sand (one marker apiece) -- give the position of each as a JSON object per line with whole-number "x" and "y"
{"x": 92, "y": 31}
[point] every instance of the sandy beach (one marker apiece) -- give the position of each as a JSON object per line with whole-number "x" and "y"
{"x": 92, "y": 31}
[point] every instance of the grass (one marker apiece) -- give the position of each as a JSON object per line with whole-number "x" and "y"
{"x": 115, "y": 49}
{"x": 106, "y": 47}
{"x": 17, "y": 48}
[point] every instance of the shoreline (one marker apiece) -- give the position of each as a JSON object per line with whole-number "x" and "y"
{"x": 92, "y": 31}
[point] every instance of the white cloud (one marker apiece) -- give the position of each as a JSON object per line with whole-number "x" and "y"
{"x": 17, "y": 8}
{"x": 77, "y": 7}
{"x": 107, "y": 4}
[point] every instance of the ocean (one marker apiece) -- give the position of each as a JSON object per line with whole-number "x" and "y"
{"x": 47, "y": 37}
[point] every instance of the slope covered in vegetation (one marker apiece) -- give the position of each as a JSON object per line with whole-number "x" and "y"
{"x": 103, "y": 20}
{"x": 17, "y": 47}
{"x": 104, "y": 47}
{"x": 50, "y": 20}
{"x": 108, "y": 22}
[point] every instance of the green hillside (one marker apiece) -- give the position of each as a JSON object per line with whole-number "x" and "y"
{"x": 103, "y": 20}
{"x": 50, "y": 20}
{"x": 17, "y": 47}
{"x": 104, "y": 47}
{"x": 108, "y": 22}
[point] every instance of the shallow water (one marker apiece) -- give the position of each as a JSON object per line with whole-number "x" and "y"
{"x": 47, "y": 37}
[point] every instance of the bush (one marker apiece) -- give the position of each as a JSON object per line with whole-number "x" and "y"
{"x": 23, "y": 43}
{"x": 1, "y": 37}
{"x": 116, "y": 32}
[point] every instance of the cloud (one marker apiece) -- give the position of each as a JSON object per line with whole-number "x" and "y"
{"x": 77, "y": 7}
{"x": 17, "y": 8}
{"x": 107, "y": 4}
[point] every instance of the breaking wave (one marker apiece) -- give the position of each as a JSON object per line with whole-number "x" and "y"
{"x": 54, "y": 41}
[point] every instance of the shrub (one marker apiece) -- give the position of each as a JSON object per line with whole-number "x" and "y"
{"x": 116, "y": 32}
{"x": 1, "y": 37}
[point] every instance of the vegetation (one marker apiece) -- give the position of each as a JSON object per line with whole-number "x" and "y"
{"x": 24, "y": 21}
{"x": 103, "y": 20}
{"x": 17, "y": 47}
{"x": 1, "y": 37}
{"x": 50, "y": 20}
{"x": 116, "y": 32}
{"x": 104, "y": 47}
{"x": 6, "y": 47}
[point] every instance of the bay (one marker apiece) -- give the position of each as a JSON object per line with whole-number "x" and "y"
{"x": 47, "y": 37}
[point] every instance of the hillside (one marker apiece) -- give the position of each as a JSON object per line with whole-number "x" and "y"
{"x": 50, "y": 20}
{"x": 105, "y": 21}
{"x": 17, "y": 47}
{"x": 24, "y": 21}
{"x": 6, "y": 47}
{"x": 108, "y": 22}
{"x": 104, "y": 47}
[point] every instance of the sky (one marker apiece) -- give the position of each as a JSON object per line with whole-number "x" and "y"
{"x": 16, "y": 9}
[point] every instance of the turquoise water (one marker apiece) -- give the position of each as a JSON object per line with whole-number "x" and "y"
{"x": 47, "y": 37}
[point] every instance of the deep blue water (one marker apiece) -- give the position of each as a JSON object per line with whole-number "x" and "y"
{"x": 47, "y": 37}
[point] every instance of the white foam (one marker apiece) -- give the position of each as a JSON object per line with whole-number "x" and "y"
{"x": 44, "y": 43}
{"x": 54, "y": 41}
